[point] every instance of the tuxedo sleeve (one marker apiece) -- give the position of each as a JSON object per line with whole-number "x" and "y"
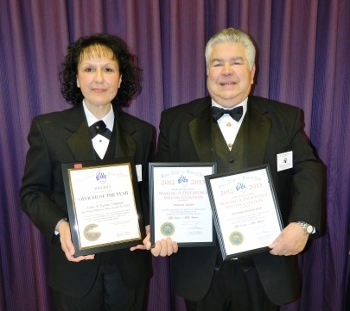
{"x": 307, "y": 179}
{"x": 144, "y": 185}
{"x": 36, "y": 192}
{"x": 163, "y": 152}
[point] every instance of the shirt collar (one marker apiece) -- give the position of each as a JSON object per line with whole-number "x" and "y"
{"x": 108, "y": 119}
{"x": 243, "y": 104}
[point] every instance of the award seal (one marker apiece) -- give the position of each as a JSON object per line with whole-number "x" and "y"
{"x": 92, "y": 232}
{"x": 236, "y": 238}
{"x": 167, "y": 229}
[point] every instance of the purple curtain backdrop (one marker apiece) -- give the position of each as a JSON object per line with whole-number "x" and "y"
{"x": 303, "y": 60}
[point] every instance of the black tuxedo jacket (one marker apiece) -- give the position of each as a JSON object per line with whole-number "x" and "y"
{"x": 269, "y": 128}
{"x": 64, "y": 137}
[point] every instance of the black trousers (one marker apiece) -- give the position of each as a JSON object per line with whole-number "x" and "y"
{"x": 108, "y": 293}
{"x": 235, "y": 287}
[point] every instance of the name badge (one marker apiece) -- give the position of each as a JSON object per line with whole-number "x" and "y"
{"x": 284, "y": 161}
{"x": 139, "y": 172}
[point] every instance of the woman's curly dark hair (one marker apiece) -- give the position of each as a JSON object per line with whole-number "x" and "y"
{"x": 131, "y": 74}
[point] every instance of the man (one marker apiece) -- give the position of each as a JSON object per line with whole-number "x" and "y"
{"x": 267, "y": 129}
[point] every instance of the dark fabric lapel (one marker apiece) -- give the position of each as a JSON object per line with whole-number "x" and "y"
{"x": 201, "y": 132}
{"x": 80, "y": 141}
{"x": 126, "y": 145}
{"x": 258, "y": 132}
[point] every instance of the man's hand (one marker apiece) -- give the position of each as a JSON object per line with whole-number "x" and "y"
{"x": 67, "y": 244}
{"x": 146, "y": 241}
{"x": 291, "y": 241}
{"x": 162, "y": 248}
{"x": 165, "y": 248}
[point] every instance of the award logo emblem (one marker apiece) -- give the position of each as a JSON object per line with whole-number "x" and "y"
{"x": 240, "y": 187}
{"x": 167, "y": 229}
{"x": 182, "y": 180}
{"x": 236, "y": 238}
{"x": 101, "y": 177}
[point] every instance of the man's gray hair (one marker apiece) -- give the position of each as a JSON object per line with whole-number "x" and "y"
{"x": 231, "y": 35}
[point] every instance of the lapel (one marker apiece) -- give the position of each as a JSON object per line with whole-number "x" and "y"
{"x": 201, "y": 130}
{"x": 126, "y": 145}
{"x": 258, "y": 128}
{"x": 80, "y": 141}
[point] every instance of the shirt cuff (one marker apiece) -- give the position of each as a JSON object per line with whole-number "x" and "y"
{"x": 58, "y": 225}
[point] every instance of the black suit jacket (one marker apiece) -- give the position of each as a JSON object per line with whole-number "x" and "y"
{"x": 269, "y": 128}
{"x": 64, "y": 137}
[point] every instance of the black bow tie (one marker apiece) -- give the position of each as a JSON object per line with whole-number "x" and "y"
{"x": 235, "y": 113}
{"x": 100, "y": 128}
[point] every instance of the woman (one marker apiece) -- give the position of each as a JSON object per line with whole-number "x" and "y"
{"x": 98, "y": 76}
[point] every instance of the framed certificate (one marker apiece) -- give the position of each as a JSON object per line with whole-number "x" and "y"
{"x": 246, "y": 214}
{"x": 103, "y": 205}
{"x": 179, "y": 203}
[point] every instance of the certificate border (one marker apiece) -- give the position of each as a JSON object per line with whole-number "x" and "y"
{"x": 213, "y": 205}
{"x": 151, "y": 166}
{"x": 70, "y": 206}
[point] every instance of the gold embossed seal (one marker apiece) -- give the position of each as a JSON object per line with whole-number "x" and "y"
{"x": 92, "y": 232}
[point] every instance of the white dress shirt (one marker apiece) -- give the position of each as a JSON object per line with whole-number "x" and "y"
{"x": 99, "y": 142}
